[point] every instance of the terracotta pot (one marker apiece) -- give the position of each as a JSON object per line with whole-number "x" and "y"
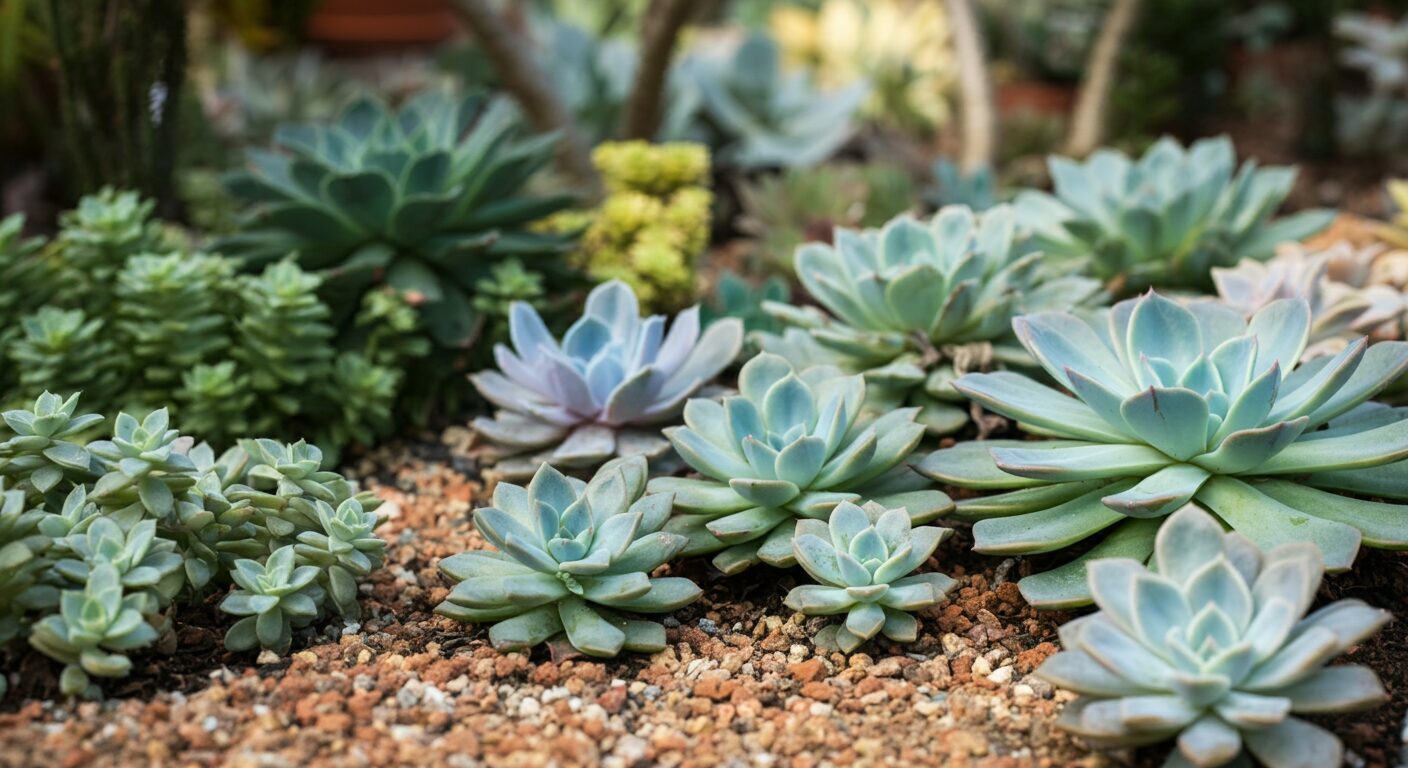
{"x": 371, "y": 26}
{"x": 1035, "y": 96}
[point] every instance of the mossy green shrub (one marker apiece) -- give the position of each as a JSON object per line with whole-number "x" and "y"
{"x": 104, "y": 542}
{"x": 654, "y": 222}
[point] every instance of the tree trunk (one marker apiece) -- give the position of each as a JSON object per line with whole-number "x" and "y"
{"x": 1093, "y": 101}
{"x": 976, "y": 108}
{"x": 660, "y": 28}
{"x": 513, "y": 60}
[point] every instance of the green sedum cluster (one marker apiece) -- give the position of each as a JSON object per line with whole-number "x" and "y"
{"x": 862, "y": 560}
{"x": 425, "y": 199}
{"x": 1171, "y": 404}
{"x": 102, "y": 541}
{"x": 913, "y": 305}
{"x": 1213, "y": 648}
{"x": 573, "y": 560}
{"x": 113, "y": 308}
{"x": 654, "y": 222}
{"x": 791, "y": 445}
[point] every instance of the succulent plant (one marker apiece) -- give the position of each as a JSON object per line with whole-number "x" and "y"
{"x": 27, "y": 279}
{"x": 1174, "y": 403}
{"x": 1395, "y": 231}
{"x": 790, "y": 445}
{"x": 144, "y": 564}
{"x": 96, "y": 239}
{"x": 92, "y": 631}
{"x": 64, "y": 350}
{"x": 1166, "y": 219}
{"x": 734, "y": 296}
{"x": 654, "y": 221}
{"x": 44, "y": 449}
{"x": 143, "y": 465}
{"x": 426, "y": 198}
{"x": 1377, "y": 47}
{"x": 1340, "y": 311}
{"x": 283, "y": 340}
{"x": 274, "y": 597}
{"x": 1213, "y": 648}
{"x": 913, "y": 305}
{"x": 801, "y": 205}
{"x": 171, "y": 314}
{"x": 215, "y": 401}
{"x": 23, "y": 545}
{"x": 571, "y": 556}
{"x": 759, "y": 116}
{"x": 976, "y": 189}
{"x": 587, "y": 399}
{"x": 862, "y": 560}
{"x": 345, "y": 548}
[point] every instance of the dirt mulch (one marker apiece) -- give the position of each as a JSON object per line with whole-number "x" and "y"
{"x": 740, "y": 684}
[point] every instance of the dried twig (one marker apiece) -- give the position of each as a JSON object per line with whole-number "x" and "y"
{"x": 660, "y": 29}
{"x": 1093, "y": 100}
{"x": 975, "y": 88}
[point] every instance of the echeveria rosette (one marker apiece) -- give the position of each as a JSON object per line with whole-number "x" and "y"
{"x": 913, "y": 304}
{"x": 1213, "y": 648}
{"x": 1165, "y": 219}
{"x": 573, "y": 559}
{"x": 790, "y": 445}
{"x": 862, "y": 560}
{"x": 1334, "y": 281}
{"x": 274, "y": 598}
{"x": 1176, "y": 403}
{"x": 92, "y": 631}
{"x": 602, "y": 391}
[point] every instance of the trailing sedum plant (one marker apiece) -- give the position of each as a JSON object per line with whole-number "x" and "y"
{"x": 600, "y": 392}
{"x": 1165, "y": 219}
{"x": 571, "y": 557}
{"x": 913, "y": 305}
{"x": 790, "y": 445}
{"x": 426, "y": 198}
{"x": 758, "y": 116}
{"x": 102, "y": 542}
{"x": 1176, "y": 403}
{"x": 1214, "y": 649}
{"x": 862, "y": 560}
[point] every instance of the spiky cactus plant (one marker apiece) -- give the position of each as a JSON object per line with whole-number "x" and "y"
{"x": 573, "y": 559}
{"x": 1173, "y": 403}
{"x": 602, "y": 391}
{"x": 1213, "y": 648}
{"x": 915, "y": 304}
{"x": 791, "y": 445}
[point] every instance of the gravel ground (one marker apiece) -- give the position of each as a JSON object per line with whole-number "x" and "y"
{"x": 740, "y": 683}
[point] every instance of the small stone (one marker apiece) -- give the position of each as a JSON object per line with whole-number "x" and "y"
{"x": 807, "y": 671}
{"x": 529, "y": 707}
{"x": 708, "y": 627}
{"x": 981, "y": 667}
{"x": 267, "y": 656}
{"x": 952, "y": 644}
{"x": 1001, "y": 675}
{"x": 819, "y": 691}
{"x": 410, "y": 693}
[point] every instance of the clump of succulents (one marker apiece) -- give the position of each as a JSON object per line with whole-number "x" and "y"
{"x": 915, "y": 304}
{"x": 654, "y": 221}
{"x": 65, "y": 349}
{"x": 862, "y": 560}
{"x": 96, "y": 239}
{"x": 756, "y": 115}
{"x": 735, "y": 296}
{"x": 1213, "y": 648}
{"x": 1175, "y": 403}
{"x": 1378, "y": 48}
{"x": 1167, "y": 218}
{"x": 426, "y": 198}
{"x": 103, "y": 541}
{"x": 601, "y": 392}
{"x": 1341, "y": 310}
{"x": 573, "y": 560}
{"x": 791, "y": 445}
{"x": 801, "y": 205}
{"x": 26, "y": 278}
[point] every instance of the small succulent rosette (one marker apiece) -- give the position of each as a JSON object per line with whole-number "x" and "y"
{"x": 791, "y": 445}
{"x": 862, "y": 561}
{"x": 915, "y": 304}
{"x": 1213, "y": 649}
{"x": 573, "y": 562}
{"x": 602, "y": 392}
{"x": 1164, "y": 403}
{"x": 1165, "y": 218}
